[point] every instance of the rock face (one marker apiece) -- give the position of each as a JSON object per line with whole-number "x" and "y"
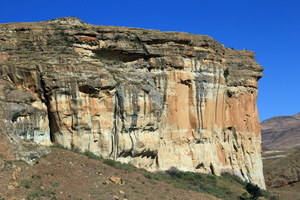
{"x": 281, "y": 133}
{"x": 150, "y": 98}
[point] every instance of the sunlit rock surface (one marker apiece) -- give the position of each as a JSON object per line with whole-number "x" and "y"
{"x": 154, "y": 99}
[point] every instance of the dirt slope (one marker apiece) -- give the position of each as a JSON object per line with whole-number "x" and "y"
{"x": 63, "y": 174}
{"x": 281, "y": 173}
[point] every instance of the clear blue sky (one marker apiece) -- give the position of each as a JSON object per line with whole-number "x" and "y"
{"x": 270, "y": 28}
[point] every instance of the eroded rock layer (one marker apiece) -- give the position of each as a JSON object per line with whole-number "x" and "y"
{"x": 154, "y": 99}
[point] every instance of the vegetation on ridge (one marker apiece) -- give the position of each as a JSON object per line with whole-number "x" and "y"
{"x": 226, "y": 187}
{"x": 75, "y": 174}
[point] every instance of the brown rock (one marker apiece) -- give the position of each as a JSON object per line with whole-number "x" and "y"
{"x": 99, "y": 173}
{"x": 15, "y": 173}
{"x": 122, "y": 192}
{"x": 115, "y": 180}
{"x": 10, "y": 187}
{"x": 15, "y": 184}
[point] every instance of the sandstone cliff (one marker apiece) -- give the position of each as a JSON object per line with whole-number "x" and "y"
{"x": 154, "y": 99}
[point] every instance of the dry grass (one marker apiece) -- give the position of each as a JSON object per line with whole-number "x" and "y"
{"x": 291, "y": 192}
{"x": 275, "y": 164}
{"x": 270, "y": 156}
{"x": 64, "y": 174}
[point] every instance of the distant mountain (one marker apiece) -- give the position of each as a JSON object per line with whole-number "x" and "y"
{"x": 281, "y": 133}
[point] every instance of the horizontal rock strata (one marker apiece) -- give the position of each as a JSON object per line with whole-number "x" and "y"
{"x": 154, "y": 99}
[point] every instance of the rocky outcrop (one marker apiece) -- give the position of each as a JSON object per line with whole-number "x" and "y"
{"x": 154, "y": 99}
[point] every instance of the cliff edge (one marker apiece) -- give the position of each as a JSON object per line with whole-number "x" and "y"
{"x": 154, "y": 99}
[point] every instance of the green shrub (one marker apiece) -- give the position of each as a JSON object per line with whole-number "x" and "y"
{"x": 173, "y": 171}
{"x": 254, "y": 191}
{"x": 36, "y": 176}
{"x": 26, "y": 183}
{"x": 205, "y": 183}
{"x": 119, "y": 165}
{"x": 55, "y": 184}
{"x": 153, "y": 182}
{"x": 59, "y": 146}
{"x": 91, "y": 155}
{"x": 149, "y": 175}
{"x": 227, "y": 191}
{"x": 230, "y": 178}
{"x": 226, "y": 74}
{"x": 44, "y": 156}
{"x": 245, "y": 195}
{"x": 40, "y": 193}
{"x": 110, "y": 162}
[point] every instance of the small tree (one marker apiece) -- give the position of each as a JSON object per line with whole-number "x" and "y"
{"x": 254, "y": 191}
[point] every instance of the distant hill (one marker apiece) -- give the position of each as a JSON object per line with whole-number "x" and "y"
{"x": 283, "y": 171}
{"x": 281, "y": 133}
